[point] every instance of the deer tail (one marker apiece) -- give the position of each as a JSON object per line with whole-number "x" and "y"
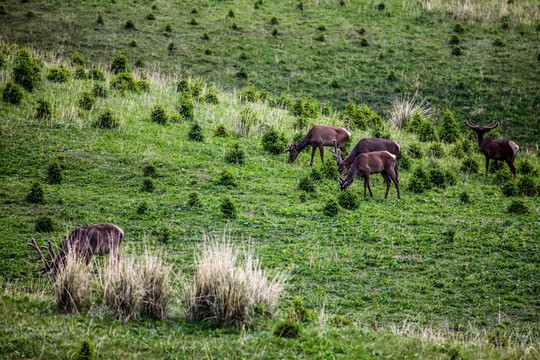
{"x": 515, "y": 149}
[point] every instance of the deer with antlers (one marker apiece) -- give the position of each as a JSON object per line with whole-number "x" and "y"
{"x": 87, "y": 241}
{"x": 494, "y": 148}
{"x": 376, "y": 162}
{"x": 319, "y": 137}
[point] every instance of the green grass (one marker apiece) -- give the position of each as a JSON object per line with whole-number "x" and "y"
{"x": 389, "y": 265}
{"x": 409, "y": 38}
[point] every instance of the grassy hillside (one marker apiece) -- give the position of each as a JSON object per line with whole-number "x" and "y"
{"x": 362, "y": 50}
{"x": 432, "y": 263}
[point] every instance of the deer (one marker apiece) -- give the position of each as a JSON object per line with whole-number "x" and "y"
{"x": 494, "y": 148}
{"x": 364, "y": 146}
{"x": 375, "y": 162}
{"x": 319, "y": 137}
{"x": 86, "y": 241}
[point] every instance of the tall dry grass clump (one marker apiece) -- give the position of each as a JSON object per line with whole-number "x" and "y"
{"x": 73, "y": 288}
{"x": 404, "y": 108}
{"x": 230, "y": 288}
{"x": 156, "y": 286}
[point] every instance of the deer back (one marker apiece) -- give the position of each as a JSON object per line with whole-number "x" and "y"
{"x": 99, "y": 239}
{"x": 498, "y": 149}
{"x": 369, "y": 145}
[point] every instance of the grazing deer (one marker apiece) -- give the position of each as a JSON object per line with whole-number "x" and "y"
{"x": 493, "y": 148}
{"x": 319, "y": 137}
{"x": 364, "y": 146}
{"x": 372, "y": 163}
{"x": 100, "y": 239}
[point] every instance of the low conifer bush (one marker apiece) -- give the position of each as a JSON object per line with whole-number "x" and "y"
{"x": 99, "y": 90}
{"x": 80, "y": 73}
{"x": 528, "y": 185}
{"x": 457, "y": 50}
{"x": 148, "y": 185}
{"x": 436, "y": 150}
{"x": 124, "y": 81}
{"x": 242, "y": 73}
{"x": 228, "y": 208}
{"x": 168, "y": 27}
{"x": 455, "y": 39}
{"x": 526, "y": 167}
{"x": 469, "y": 165}
{"x": 315, "y": 174}
{"x": 86, "y": 100}
{"x": 186, "y": 107}
{"x": 194, "y": 200}
{"x": 449, "y": 131}
{"x": 143, "y": 207}
{"x": 211, "y": 98}
{"x": 427, "y": 132}
{"x": 12, "y": 93}
{"x": 26, "y": 73}
{"x": 58, "y": 74}
{"x": 158, "y": 114}
{"x": 502, "y": 175}
{"x": 43, "y": 109}
{"x": 518, "y": 206}
{"x": 227, "y": 178}
{"x": 196, "y": 133}
{"x": 96, "y": 74}
{"x": 129, "y": 25}
{"x": 364, "y": 42}
{"x": 273, "y": 142}
{"x": 329, "y": 169}
{"x": 54, "y": 174}
{"x": 44, "y": 224}
{"x": 182, "y": 85}
{"x": 288, "y": 328}
{"x": 415, "y": 151}
{"x": 235, "y": 155}
{"x": 510, "y": 188}
{"x": 331, "y": 208}
{"x": 119, "y": 64}
{"x": 36, "y": 194}
{"x": 107, "y": 120}
{"x": 150, "y": 16}
{"x": 420, "y": 181}
{"x": 150, "y": 171}
{"x": 86, "y": 351}
{"x": 348, "y": 199}
{"x": 404, "y": 161}
{"x": 306, "y": 184}
{"x": 458, "y": 28}
{"x": 221, "y": 131}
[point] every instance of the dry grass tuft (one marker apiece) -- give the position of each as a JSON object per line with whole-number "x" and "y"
{"x": 403, "y": 110}
{"x": 230, "y": 288}
{"x": 73, "y": 289}
{"x": 156, "y": 286}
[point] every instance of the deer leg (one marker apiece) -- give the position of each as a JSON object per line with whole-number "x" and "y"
{"x": 497, "y": 164}
{"x": 387, "y": 182}
{"x": 321, "y": 150}
{"x": 369, "y": 186}
{"x": 312, "y": 156}
{"x": 365, "y": 186}
{"x": 396, "y": 182}
{"x": 487, "y": 166}
{"x": 510, "y": 163}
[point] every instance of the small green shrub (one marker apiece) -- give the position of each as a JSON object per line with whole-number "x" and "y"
{"x": 194, "y": 200}
{"x": 288, "y": 328}
{"x": 455, "y": 39}
{"x": 25, "y": 72}
{"x": 246, "y": 121}
{"x": 335, "y": 84}
{"x": 129, "y": 25}
{"x": 248, "y": 94}
{"x": 36, "y": 194}
{"x": 193, "y": 21}
{"x": 527, "y": 185}
{"x": 186, "y": 107}
{"x": 457, "y": 150}
{"x": 235, "y": 27}
{"x": 86, "y": 100}
{"x": 274, "y": 20}
{"x": 510, "y": 188}
{"x": 273, "y": 142}
{"x": 132, "y": 43}
{"x": 12, "y": 93}
{"x": 404, "y": 161}
{"x": 143, "y": 207}
{"x": 99, "y": 90}
{"x": 194, "y": 11}
{"x": 44, "y": 224}
{"x": 86, "y": 351}
{"x": 242, "y": 73}
{"x": 107, "y": 120}
{"x": 96, "y": 74}
{"x": 302, "y": 197}
{"x": 168, "y": 27}
{"x": 321, "y": 27}
{"x": 518, "y": 206}
{"x": 300, "y": 5}
{"x": 498, "y": 42}
{"x": 158, "y": 114}
{"x": 306, "y": 184}
{"x": 150, "y": 171}
{"x": 502, "y": 175}
{"x": 329, "y": 170}
{"x": 228, "y": 208}
{"x": 182, "y": 85}
{"x": 43, "y": 109}
{"x": 275, "y": 32}
{"x": 470, "y": 165}
{"x": 243, "y": 55}
{"x": 235, "y": 155}
{"x": 449, "y": 131}
{"x": 299, "y": 311}
{"x": 120, "y": 65}
{"x": 391, "y": 76}
{"x": 211, "y": 98}
{"x": 316, "y": 174}
{"x": 364, "y": 42}
{"x": 124, "y": 81}
{"x": 458, "y": 28}
{"x": 58, "y": 74}
{"x": 54, "y": 174}
{"x": 226, "y": 178}
{"x": 171, "y": 46}
{"x": 205, "y": 36}
{"x": 320, "y": 38}
{"x": 526, "y": 167}
{"x": 77, "y": 59}
{"x": 221, "y": 131}
{"x": 100, "y": 20}
{"x": 231, "y": 13}
{"x": 416, "y": 122}
{"x": 427, "y": 132}
{"x": 3, "y": 9}
{"x": 196, "y": 133}
{"x": 436, "y": 150}
{"x": 415, "y": 151}
{"x": 148, "y": 185}
{"x": 437, "y": 178}
{"x": 150, "y": 16}
{"x": 80, "y": 73}
{"x": 327, "y": 111}
{"x": 457, "y": 50}
{"x": 348, "y": 200}
{"x": 464, "y": 197}
{"x": 420, "y": 181}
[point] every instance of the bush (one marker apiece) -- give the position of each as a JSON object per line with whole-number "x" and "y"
{"x": 300, "y": 312}
{"x": 194, "y": 200}
{"x": 25, "y": 72}
{"x": 186, "y": 107}
{"x": 320, "y": 38}
{"x": 455, "y": 39}
{"x": 72, "y": 286}
{"x": 364, "y": 42}
{"x": 248, "y": 94}
{"x": 196, "y": 89}
{"x": 436, "y": 150}
{"x": 458, "y": 28}
{"x": 150, "y": 171}
{"x": 416, "y": 122}
{"x": 125, "y": 81}
{"x": 469, "y": 165}
{"x": 427, "y": 132}
{"x": 227, "y": 179}
{"x": 36, "y": 194}
{"x": 86, "y": 350}
{"x": 503, "y": 175}
{"x": 306, "y": 184}
{"x": 182, "y": 85}
{"x": 86, "y": 100}
{"x": 404, "y": 161}
{"x": 168, "y": 27}
{"x": 331, "y": 209}
{"x": 107, "y": 120}
{"x": 158, "y": 114}
{"x": 235, "y": 155}
{"x": 211, "y": 98}
{"x": 150, "y": 16}
{"x": 120, "y": 64}
{"x": 391, "y": 76}
{"x": 526, "y": 167}
{"x": 242, "y": 73}
{"x": 437, "y": 178}
{"x": 230, "y": 288}
{"x": 287, "y": 329}
{"x": 54, "y": 174}
{"x": 464, "y": 197}
{"x": 99, "y": 20}
{"x": 420, "y": 181}
{"x": 348, "y": 199}
{"x": 527, "y": 186}
{"x": 414, "y": 150}
{"x": 148, "y": 185}
{"x": 273, "y": 142}
{"x": 195, "y": 133}
{"x": 228, "y": 208}
{"x": 275, "y": 32}
{"x": 361, "y": 117}
{"x": 315, "y": 174}
{"x": 498, "y": 42}
{"x": 44, "y": 224}
{"x": 80, "y": 73}
{"x": 329, "y": 169}
{"x": 449, "y": 131}
{"x": 99, "y": 90}
{"x": 12, "y": 93}
{"x": 457, "y": 51}
{"x": 510, "y": 188}
{"x": 302, "y": 197}
{"x": 143, "y": 207}
{"x": 96, "y": 74}
{"x": 58, "y": 74}
{"x": 246, "y": 120}
{"x": 129, "y": 25}
{"x": 220, "y": 131}
{"x": 518, "y": 206}
{"x": 43, "y": 109}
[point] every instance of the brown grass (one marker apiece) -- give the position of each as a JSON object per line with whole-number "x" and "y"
{"x": 73, "y": 290}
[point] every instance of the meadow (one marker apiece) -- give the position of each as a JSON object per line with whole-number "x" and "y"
{"x": 444, "y": 273}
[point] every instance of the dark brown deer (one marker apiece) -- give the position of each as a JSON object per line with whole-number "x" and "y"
{"x": 87, "y": 241}
{"x": 494, "y": 148}
{"x": 373, "y": 163}
{"x": 364, "y": 146}
{"x": 319, "y": 137}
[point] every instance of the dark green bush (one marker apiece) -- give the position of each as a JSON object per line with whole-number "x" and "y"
{"x": 158, "y": 114}
{"x": 416, "y": 122}
{"x": 457, "y": 50}
{"x": 321, "y": 27}
{"x": 12, "y": 93}
{"x": 120, "y": 64}
{"x": 235, "y": 27}
{"x": 205, "y": 36}
{"x": 211, "y": 98}
{"x": 436, "y": 150}
{"x": 25, "y": 72}
{"x": 124, "y": 81}
{"x": 470, "y": 165}
{"x": 43, "y": 109}
{"x": 221, "y": 131}
{"x": 129, "y": 25}
{"x": 231, "y": 13}
{"x": 243, "y": 55}
{"x": 320, "y": 38}
{"x": 518, "y": 206}
{"x": 242, "y": 73}
{"x": 96, "y": 74}
{"x": 86, "y": 100}
{"x": 274, "y": 20}
{"x": 150, "y": 171}
{"x": 502, "y": 175}
{"x": 455, "y": 39}
{"x": 58, "y": 74}
{"x": 391, "y": 76}
{"x": 404, "y": 161}
{"x": 315, "y": 174}
{"x": 99, "y": 20}
{"x": 196, "y": 89}
{"x": 348, "y": 199}
{"x": 449, "y": 131}
{"x": 427, "y": 132}
{"x": 54, "y": 174}
{"x": 306, "y": 184}
{"x": 77, "y": 59}
{"x": 143, "y": 207}
{"x": 235, "y": 155}
{"x": 327, "y": 111}
{"x": 527, "y": 185}
{"x": 302, "y": 197}
{"x": 186, "y": 107}
{"x": 150, "y": 16}
{"x": 3, "y": 9}
{"x": 300, "y": 5}
{"x": 329, "y": 169}
{"x": 288, "y": 328}
{"x": 361, "y": 117}
{"x": 498, "y": 42}
{"x": 303, "y": 122}
{"x": 420, "y": 181}
{"x": 335, "y": 84}
{"x": 275, "y": 32}
{"x": 182, "y": 85}
{"x": 194, "y": 11}
{"x": 228, "y": 208}
{"x": 464, "y": 197}
{"x": 168, "y": 27}
{"x": 248, "y": 94}
{"x": 193, "y": 21}
{"x": 438, "y": 178}
{"x": 194, "y": 200}
{"x": 300, "y": 312}
{"x": 364, "y": 42}
{"x": 107, "y": 120}
{"x": 44, "y": 224}
{"x": 415, "y": 151}
{"x": 458, "y": 28}
{"x": 226, "y": 178}
{"x": 36, "y": 194}
{"x": 510, "y": 188}
{"x": 148, "y": 185}
{"x": 132, "y": 43}
{"x": 86, "y": 351}
{"x": 273, "y": 142}
{"x": 99, "y": 90}
{"x": 195, "y": 133}
{"x": 526, "y": 167}
{"x": 458, "y": 150}
{"x": 80, "y": 73}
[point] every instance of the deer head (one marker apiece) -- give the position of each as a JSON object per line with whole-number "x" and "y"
{"x": 292, "y": 149}
{"x": 483, "y": 130}
{"x": 49, "y": 266}
{"x": 343, "y": 184}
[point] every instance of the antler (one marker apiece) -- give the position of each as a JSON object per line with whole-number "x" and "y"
{"x": 41, "y": 257}
{"x": 471, "y": 125}
{"x": 337, "y": 156}
{"x": 491, "y": 126}
{"x": 289, "y": 147}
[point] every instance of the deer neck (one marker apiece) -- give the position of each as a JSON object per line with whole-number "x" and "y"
{"x": 302, "y": 144}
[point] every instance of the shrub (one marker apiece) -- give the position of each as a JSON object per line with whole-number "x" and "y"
{"x": 99, "y": 20}
{"x": 420, "y": 181}
{"x": 43, "y": 109}
{"x": 235, "y": 155}
{"x": 327, "y": 111}
{"x": 230, "y": 288}
{"x": 186, "y": 107}
{"x": 455, "y": 39}
{"x": 306, "y": 184}
{"x": 315, "y": 174}
{"x": 36, "y": 194}
{"x": 302, "y": 197}
{"x": 72, "y": 286}
{"x": 427, "y": 132}
{"x": 503, "y": 175}
{"x": 86, "y": 351}
{"x": 3, "y": 10}
{"x": 416, "y": 122}
{"x": 449, "y": 131}
{"x": 194, "y": 200}
{"x": 288, "y": 328}
{"x": 196, "y": 89}
{"x": 54, "y": 174}
{"x": 205, "y": 36}
{"x": 235, "y": 27}
{"x": 132, "y": 43}
{"x": 86, "y": 100}
{"x": 331, "y": 209}
{"x": 469, "y": 165}
{"x": 156, "y": 285}
{"x": 228, "y": 208}
{"x": 150, "y": 16}
{"x": 458, "y": 150}
{"x": 227, "y": 179}
{"x": 242, "y": 73}
{"x": 12, "y": 93}
{"x": 25, "y": 72}
{"x": 362, "y": 116}
{"x": 107, "y": 120}
{"x": 364, "y": 42}
{"x": 437, "y": 178}
{"x": 231, "y": 13}
{"x": 320, "y": 38}
{"x": 194, "y": 11}
{"x": 498, "y": 42}
{"x": 526, "y": 167}
{"x": 96, "y": 74}
{"x": 457, "y": 51}
{"x": 458, "y": 28}
{"x": 99, "y": 90}
{"x": 125, "y": 81}
{"x": 195, "y": 133}
{"x": 129, "y": 25}
{"x": 510, "y": 188}
{"x": 329, "y": 170}
{"x": 248, "y": 94}
{"x": 193, "y": 21}
{"x": 464, "y": 197}
{"x": 58, "y": 74}
{"x": 404, "y": 161}
{"x": 391, "y": 76}
{"x": 415, "y": 151}
{"x": 220, "y": 131}
{"x": 148, "y": 185}
{"x": 150, "y": 171}
{"x": 44, "y": 224}
{"x": 80, "y": 73}
{"x": 527, "y": 186}
{"x": 300, "y": 312}
{"x": 275, "y": 32}
{"x": 158, "y": 114}
{"x": 274, "y": 20}
{"x": 143, "y": 207}
{"x": 120, "y": 64}
{"x": 246, "y": 120}
{"x": 168, "y": 27}
{"x": 436, "y": 150}
{"x": 273, "y": 142}
{"x": 348, "y": 199}
{"x": 211, "y": 98}
{"x": 3, "y": 61}
{"x": 182, "y": 85}
{"x": 518, "y": 206}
